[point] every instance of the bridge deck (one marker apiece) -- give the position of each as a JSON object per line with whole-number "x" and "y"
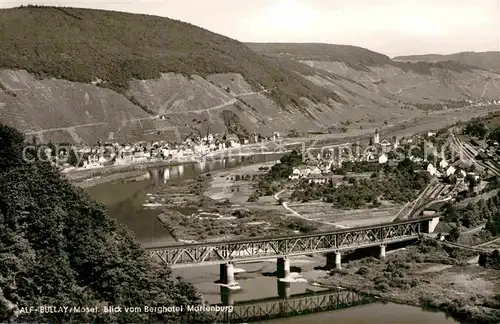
{"x": 262, "y": 248}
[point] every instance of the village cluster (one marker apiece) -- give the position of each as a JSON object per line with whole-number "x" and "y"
{"x": 193, "y": 148}
{"x": 321, "y": 169}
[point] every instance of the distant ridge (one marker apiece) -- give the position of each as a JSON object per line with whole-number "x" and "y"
{"x": 355, "y": 56}
{"x": 484, "y": 60}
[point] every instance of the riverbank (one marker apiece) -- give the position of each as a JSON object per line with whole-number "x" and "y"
{"x": 433, "y": 121}
{"x": 80, "y": 175}
{"x": 427, "y": 275}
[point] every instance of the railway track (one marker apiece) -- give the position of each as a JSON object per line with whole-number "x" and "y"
{"x": 470, "y": 152}
{"x": 431, "y": 197}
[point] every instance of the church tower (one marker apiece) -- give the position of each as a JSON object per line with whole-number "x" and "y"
{"x": 376, "y": 137}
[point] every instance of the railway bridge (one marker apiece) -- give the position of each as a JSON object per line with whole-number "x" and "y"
{"x": 333, "y": 243}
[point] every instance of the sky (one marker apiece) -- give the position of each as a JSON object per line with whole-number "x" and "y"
{"x": 391, "y": 27}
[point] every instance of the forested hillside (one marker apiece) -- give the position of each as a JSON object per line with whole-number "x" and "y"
{"x": 59, "y": 248}
{"x": 82, "y": 45}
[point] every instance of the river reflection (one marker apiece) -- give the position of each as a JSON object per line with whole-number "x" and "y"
{"x": 327, "y": 306}
{"x": 376, "y": 313}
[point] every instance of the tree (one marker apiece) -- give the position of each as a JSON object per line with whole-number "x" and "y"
{"x": 483, "y": 259}
{"x": 454, "y": 234}
{"x": 475, "y": 128}
{"x": 280, "y": 201}
{"x": 72, "y": 158}
{"x": 11, "y": 148}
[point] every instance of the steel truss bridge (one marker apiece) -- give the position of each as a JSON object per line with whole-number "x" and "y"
{"x": 265, "y": 248}
{"x": 302, "y": 304}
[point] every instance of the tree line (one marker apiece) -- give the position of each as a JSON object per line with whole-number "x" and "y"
{"x": 398, "y": 184}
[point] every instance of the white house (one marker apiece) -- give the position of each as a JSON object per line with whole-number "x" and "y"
{"x": 314, "y": 171}
{"x": 431, "y": 134}
{"x": 450, "y": 171}
{"x": 382, "y": 159}
{"x": 296, "y": 174}
{"x": 428, "y": 212}
{"x": 318, "y": 179}
{"x": 431, "y": 169}
{"x": 102, "y": 160}
{"x": 165, "y": 152}
{"x": 385, "y": 143}
{"x": 443, "y": 164}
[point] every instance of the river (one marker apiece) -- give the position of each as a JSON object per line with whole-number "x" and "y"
{"x": 125, "y": 198}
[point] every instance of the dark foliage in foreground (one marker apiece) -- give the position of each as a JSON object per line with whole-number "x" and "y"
{"x": 58, "y": 247}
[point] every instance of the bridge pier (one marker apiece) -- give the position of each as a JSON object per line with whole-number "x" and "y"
{"x": 226, "y": 296}
{"x": 227, "y": 275}
{"x": 283, "y": 268}
{"x": 284, "y": 289}
{"x": 334, "y": 260}
{"x": 431, "y": 225}
{"x": 382, "y": 251}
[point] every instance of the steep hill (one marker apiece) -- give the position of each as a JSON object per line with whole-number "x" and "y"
{"x": 484, "y": 60}
{"x": 82, "y": 45}
{"x": 82, "y": 75}
{"x": 59, "y": 248}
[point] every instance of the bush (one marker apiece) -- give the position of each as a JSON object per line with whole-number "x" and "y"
{"x": 454, "y": 234}
{"x": 383, "y": 286}
{"x": 253, "y": 198}
{"x": 363, "y": 271}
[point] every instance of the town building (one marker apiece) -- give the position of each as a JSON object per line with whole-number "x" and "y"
{"x": 450, "y": 171}
{"x": 431, "y": 169}
{"x": 443, "y": 164}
